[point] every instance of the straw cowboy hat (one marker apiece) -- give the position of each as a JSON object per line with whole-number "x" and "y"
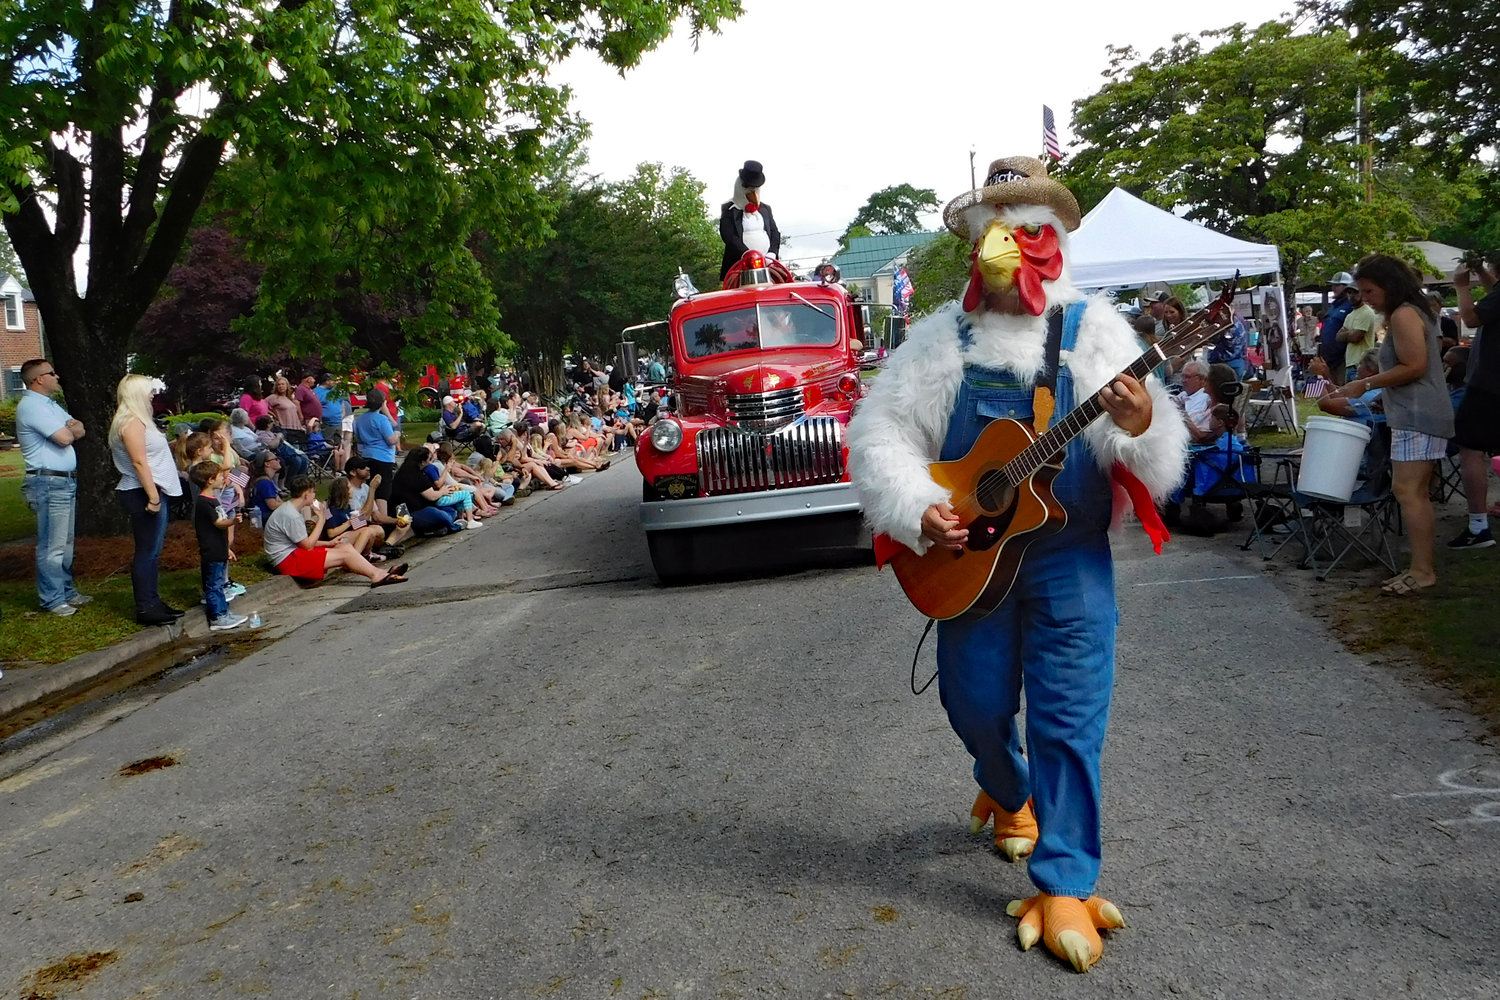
{"x": 1014, "y": 180}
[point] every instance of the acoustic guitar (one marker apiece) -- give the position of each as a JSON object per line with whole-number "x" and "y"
{"x": 1002, "y": 492}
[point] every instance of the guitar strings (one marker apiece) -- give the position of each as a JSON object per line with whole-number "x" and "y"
{"x": 1016, "y": 469}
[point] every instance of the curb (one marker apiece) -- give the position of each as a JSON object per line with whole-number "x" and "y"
{"x": 24, "y": 689}
{"x": 36, "y": 685}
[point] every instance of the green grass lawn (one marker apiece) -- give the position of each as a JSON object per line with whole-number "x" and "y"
{"x": 42, "y": 637}
{"x": 30, "y": 634}
{"x": 16, "y": 520}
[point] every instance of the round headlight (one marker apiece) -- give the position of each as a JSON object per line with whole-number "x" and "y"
{"x": 666, "y": 435}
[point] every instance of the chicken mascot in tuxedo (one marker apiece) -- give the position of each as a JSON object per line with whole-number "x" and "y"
{"x": 1054, "y": 632}
{"x": 746, "y": 222}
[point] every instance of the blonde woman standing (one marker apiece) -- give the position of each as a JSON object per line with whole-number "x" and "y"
{"x": 148, "y": 476}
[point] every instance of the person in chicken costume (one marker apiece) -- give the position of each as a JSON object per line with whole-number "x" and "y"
{"x": 960, "y": 367}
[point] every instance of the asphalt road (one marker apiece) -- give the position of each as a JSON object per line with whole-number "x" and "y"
{"x": 531, "y": 772}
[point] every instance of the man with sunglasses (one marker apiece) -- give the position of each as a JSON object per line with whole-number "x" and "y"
{"x": 46, "y": 432}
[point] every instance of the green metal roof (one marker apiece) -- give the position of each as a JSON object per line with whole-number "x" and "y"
{"x": 868, "y": 255}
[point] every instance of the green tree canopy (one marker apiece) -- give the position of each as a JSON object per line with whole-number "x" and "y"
{"x": 1252, "y": 132}
{"x": 115, "y": 117}
{"x": 1444, "y": 57}
{"x": 892, "y": 210}
{"x": 939, "y": 271}
{"x": 610, "y": 263}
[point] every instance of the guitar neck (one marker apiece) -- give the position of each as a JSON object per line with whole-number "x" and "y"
{"x": 1044, "y": 448}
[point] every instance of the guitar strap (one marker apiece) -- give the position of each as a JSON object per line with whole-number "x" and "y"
{"x": 1044, "y": 397}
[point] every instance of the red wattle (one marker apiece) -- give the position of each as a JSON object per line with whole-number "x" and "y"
{"x": 1029, "y": 287}
{"x": 975, "y": 292}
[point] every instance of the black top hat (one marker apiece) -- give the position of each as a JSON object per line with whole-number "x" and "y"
{"x": 751, "y": 174}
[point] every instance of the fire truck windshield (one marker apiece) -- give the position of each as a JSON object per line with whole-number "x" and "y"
{"x": 769, "y": 326}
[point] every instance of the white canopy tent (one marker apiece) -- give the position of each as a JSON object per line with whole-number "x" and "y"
{"x": 1126, "y": 242}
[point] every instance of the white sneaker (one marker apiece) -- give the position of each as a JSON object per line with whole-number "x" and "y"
{"x": 227, "y": 621}
{"x": 474, "y": 524}
{"x": 63, "y": 610}
{"x": 460, "y": 525}
{"x": 572, "y": 480}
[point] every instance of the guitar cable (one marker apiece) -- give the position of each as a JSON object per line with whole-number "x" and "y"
{"x": 914, "y": 689}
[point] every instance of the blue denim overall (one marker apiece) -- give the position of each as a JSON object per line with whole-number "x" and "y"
{"x": 1055, "y": 633}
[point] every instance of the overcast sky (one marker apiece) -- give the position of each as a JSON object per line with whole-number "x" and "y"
{"x": 839, "y": 99}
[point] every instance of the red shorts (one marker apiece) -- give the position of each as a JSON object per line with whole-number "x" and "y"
{"x": 304, "y": 564}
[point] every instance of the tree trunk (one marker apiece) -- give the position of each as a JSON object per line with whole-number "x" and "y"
{"x": 91, "y": 363}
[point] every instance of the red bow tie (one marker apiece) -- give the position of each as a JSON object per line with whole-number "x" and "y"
{"x": 752, "y": 208}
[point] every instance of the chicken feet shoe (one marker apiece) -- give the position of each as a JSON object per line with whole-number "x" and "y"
{"x": 1015, "y": 832}
{"x": 1068, "y": 927}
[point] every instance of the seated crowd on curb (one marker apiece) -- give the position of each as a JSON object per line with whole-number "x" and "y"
{"x": 253, "y": 467}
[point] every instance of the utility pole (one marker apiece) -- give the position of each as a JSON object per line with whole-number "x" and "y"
{"x": 1366, "y": 144}
{"x": 973, "y": 181}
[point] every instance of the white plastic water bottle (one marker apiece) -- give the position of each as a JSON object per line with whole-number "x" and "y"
{"x": 255, "y": 619}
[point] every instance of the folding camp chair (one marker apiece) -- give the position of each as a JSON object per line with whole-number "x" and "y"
{"x": 1275, "y": 518}
{"x": 1330, "y": 539}
{"x": 1219, "y": 473}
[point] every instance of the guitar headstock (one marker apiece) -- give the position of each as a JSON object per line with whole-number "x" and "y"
{"x": 1202, "y": 326}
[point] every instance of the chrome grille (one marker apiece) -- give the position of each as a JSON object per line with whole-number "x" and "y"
{"x": 731, "y": 460}
{"x": 765, "y": 411}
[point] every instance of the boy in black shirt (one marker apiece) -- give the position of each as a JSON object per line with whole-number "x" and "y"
{"x": 212, "y": 524}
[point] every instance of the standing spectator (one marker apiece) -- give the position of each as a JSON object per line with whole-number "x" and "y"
{"x": 657, "y": 372}
{"x": 46, "y": 432}
{"x": 1156, "y": 305}
{"x": 1330, "y": 348}
{"x": 253, "y": 401}
{"x": 1307, "y": 332}
{"x": 338, "y": 418}
{"x": 1358, "y": 332}
{"x": 1417, "y": 406}
{"x": 212, "y": 524}
{"x": 308, "y": 403}
{"x": 1231, "y": 347}
{"x": 1477, "y": 423}
{"x": 284, "y": 408}
{"x": 376, "y": 437}
{"x": 147, "y": 473}
{"x": 1446, "y": 324}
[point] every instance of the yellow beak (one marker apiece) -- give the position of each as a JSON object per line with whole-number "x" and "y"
{"x": 999, "y": 257}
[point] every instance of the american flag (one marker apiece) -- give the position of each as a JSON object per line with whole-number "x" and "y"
{"x": 1049, "y": 134}
{"x": 237, "y": 478}
{"x": 357, "y": 521}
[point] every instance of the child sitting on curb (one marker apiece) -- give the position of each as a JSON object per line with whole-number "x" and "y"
{"x": 296, "y": 552}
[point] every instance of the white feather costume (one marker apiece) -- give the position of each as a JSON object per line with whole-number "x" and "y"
{"x": 898, "y": 429}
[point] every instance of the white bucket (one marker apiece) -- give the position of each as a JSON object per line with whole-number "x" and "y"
{"x": 1331, "y": 456}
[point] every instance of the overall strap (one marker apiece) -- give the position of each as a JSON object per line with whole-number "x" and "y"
{"x": 1044, "y": 398}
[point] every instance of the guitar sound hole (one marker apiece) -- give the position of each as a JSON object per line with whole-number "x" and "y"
{"x": 993, "y": 492}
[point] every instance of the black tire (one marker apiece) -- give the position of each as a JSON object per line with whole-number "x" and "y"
{"x": 429, "y": 397}
{"x": 671, "y": 555}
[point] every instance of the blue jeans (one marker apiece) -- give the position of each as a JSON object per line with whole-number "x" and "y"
{"x": 433, "y": 521}
{"x": 215, "y": 578}
{"x": 150, "y": 531}
{"x": 1056, "y": 635}
{"x": 54, "y": 500}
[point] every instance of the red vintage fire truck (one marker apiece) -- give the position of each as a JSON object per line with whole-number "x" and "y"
{"x": 751, "y": 466}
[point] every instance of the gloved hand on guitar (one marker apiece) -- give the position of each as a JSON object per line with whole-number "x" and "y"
{"x": 1128, "y": 404}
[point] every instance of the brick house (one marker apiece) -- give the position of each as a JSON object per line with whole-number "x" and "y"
{"x": 21, "y": 335}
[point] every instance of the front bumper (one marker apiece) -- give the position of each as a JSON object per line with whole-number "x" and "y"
{"x": 746, "y": 508}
